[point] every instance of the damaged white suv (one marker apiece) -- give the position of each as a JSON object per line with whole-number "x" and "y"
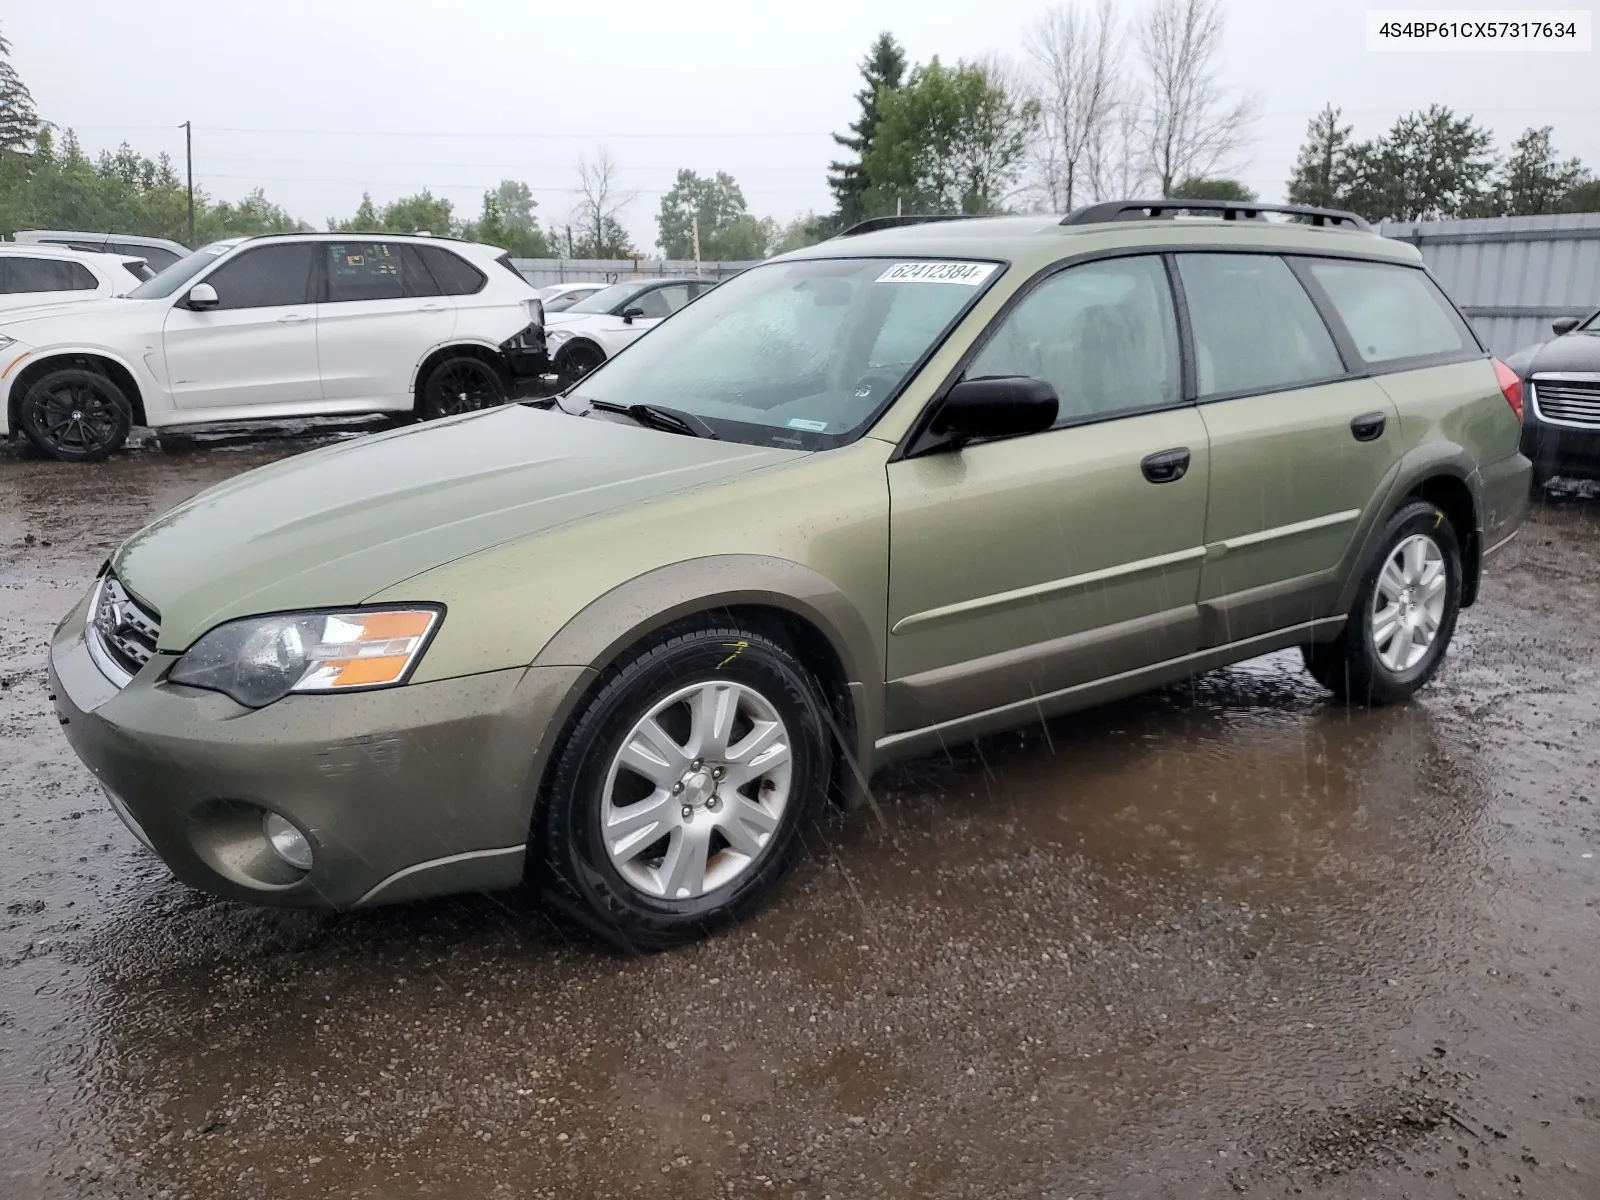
{"x": 271, "y": 327}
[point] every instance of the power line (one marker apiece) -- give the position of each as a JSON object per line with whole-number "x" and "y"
{"x": 494, "y": 166}
{"x": 461, "y": 133}
{"x": 437, "y": 183}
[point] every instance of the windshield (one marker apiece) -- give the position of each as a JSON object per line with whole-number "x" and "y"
{"x": 802, "y": 353}
{"x": 180, "y": 272}
{"x": 609, "y": 298}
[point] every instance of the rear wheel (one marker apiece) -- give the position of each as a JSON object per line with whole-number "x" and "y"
{"x": 76, "y": 415}
{"x": 680, "y": 797}
{"x": 460, "y": 385}
{"x": 1404, "y": 613}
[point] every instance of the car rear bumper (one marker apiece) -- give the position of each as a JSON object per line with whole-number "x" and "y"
{"x": 402, "y": 793}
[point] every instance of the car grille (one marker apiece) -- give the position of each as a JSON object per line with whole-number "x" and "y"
{"x": 122, "y": 632}
{"x": 1569, "y": 401}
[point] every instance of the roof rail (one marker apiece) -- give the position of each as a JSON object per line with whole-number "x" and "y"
{"x": 873, "y": 224}
{"x": 1228, "y": 210}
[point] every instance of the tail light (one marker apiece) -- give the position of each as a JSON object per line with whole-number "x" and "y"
{"x": 1510, "y": 386}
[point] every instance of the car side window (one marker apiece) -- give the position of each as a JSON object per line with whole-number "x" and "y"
{"x": 364, "y": 271}
{"x": 1104, "y": 334}
{"x": 24, "y": 274}
{"x": 1254, "y": 327}
{"x": 662, "y": 301}
{"x": 265, "y": 277}
{"x": 455, "y": 275}
{"x": 1391, "y": 311}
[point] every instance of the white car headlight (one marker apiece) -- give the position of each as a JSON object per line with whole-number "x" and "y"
{"x": 260, "y": 660}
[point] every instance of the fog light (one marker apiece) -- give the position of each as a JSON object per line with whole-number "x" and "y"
{"x": 288, "y": 843}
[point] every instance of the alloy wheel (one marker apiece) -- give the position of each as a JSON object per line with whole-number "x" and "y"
{"x": 465, "y": 385}
{"x": 78, "y": 417}
{"x": 697, "y": 790}
{"x": 1408, "y": 603}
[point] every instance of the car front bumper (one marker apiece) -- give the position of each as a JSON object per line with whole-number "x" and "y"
{"x": 407, "y": 792}
{"x": 1558, "y": 448}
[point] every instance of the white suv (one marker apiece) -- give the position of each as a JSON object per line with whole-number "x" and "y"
{"x": 268, "y": 327}
{"x": 34, "y": 275}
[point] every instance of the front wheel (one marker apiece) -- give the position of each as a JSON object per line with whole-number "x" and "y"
{"x": 680, "y": 796}
{"x": 461, "y": 385}
{"x": 76, "y": 415}
{"x": 577, "y": 361}
{"x": 1404, "y": 613}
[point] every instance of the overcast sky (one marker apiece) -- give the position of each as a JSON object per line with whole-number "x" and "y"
{"x": 316, "y": 102}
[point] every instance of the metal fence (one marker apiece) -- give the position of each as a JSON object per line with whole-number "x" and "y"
{"x": 542, "y": 272}
{"x": 1512, "y": 276}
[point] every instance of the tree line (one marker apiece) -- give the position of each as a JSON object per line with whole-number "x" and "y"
{"x": 1101, "y": 104}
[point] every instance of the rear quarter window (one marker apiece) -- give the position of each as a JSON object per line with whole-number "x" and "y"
{"x": 456, "y": 276}
{"x": 1392, "y": 312}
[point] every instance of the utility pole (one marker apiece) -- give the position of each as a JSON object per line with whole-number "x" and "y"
{"x": 188, "y": 162}
{"x": 697, "y": 245}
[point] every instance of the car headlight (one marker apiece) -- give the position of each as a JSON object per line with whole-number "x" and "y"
{"x": 260, "y": 660}
{"x": 557, "y": 337}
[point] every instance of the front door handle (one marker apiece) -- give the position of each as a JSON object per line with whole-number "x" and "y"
{"x": 1368, "y": 427}
{"x": 431, "y": 308}
{"x": 293, "y": 319}
{"x": 1168, "y": 466}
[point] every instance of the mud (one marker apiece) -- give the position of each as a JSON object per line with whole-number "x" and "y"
{"x": 1226, "y": 938}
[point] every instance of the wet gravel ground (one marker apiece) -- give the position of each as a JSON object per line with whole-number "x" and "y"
{"x": 1227, "y": 938}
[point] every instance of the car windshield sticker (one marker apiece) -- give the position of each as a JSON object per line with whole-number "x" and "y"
{"x": 808, "y": 426}
{"x": 969, "y": 273}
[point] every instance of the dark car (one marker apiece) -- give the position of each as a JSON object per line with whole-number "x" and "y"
{"x": 1561, "y": 422}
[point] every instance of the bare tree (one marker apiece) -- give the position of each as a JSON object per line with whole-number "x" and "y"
{"x": 1115, "y": 165}
{"x": 1192, "y": 125}
{"x": 1077, "y": 58}
{"x": 596, "y": 218}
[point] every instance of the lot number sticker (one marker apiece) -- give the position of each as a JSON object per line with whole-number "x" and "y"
{"x": 969, "y": 273}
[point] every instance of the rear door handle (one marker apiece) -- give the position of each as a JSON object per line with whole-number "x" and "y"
{"x": 1368, "y": 427}
{"x": 1168, "y": 466}
{"x": 431, "y": 308}
{"x": 293, "y": 319}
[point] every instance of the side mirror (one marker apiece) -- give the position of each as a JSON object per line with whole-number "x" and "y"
{"x": 632, "y": 311}
{"x": 202, "y": 296}
{"x": 1564, "y": 325}
{"x": 995, "y": 406}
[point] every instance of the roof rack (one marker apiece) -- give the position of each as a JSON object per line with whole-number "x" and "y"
{"x": 1228, "y": 210}
{"x": 873, "y": 224}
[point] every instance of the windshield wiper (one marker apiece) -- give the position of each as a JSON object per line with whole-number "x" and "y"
{"x": 657, "y": 416}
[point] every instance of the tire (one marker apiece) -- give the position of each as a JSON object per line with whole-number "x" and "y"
{"x": 639, "y": 887}
{"x": 576, "y": 361}
{"x": 75, "y": 415}
{"x": 1418, "y": 545}
{"x": 460, "y": 384}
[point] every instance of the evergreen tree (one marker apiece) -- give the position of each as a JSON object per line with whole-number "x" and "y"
{"x": 18, "y": 121}
{"x": 883, "y": 70}
{"x": 1322, "y": 172}
{"x": 1534, "y": 181}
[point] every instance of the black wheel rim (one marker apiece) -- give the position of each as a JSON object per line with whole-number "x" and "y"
{"x": 79, "y": 417}
{"x": 464, "y": 386}
{"x": 579, "y": 363}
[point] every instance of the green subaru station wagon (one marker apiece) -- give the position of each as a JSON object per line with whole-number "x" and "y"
{"x": 922, "y": 482}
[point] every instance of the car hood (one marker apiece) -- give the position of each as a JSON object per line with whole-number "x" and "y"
{"x": 572, "y": 320}
{"x": 31, "y": 324}
{"x": 1570, "y": 352}
{"x": 338, "y": 525}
